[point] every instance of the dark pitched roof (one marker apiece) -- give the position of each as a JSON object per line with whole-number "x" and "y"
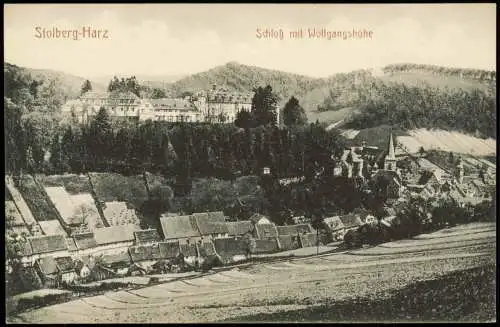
{"x": 46, "y": 244}
{"x": 65, "y": 264}
{"x": 206, "y": 249}
{"x": 229, "y": 247}
{"x": 47, "y": 265}
{"x": 266, "y": 230}
{"x": 238, "y": 228}
{"x": 113, "y": 258}
{"x": 147, "y": 236}
{"x": 169, "y": 250}
{"x": 145, "y": 252}
{"x": 188, "y": 250}
{"x": 85, "y": 241}
{"x": 211, "y": 223}
{"x": 175, "y": 227}
{"x": 294, "y": 229}
{"x": 351, "y": 221}
{"x": 115, "y": 234}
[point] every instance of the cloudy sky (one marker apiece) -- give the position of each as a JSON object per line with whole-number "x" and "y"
{"x": 146, "y": 39}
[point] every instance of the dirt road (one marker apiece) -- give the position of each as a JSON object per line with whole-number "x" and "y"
{"x": 286, "y": 285}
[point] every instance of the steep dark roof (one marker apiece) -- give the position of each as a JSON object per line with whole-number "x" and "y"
{"x": 294, "y": 229}
{"x": 145, "y": 252}
{"x": 169, "y": 250}
{"x": 175, "y": 227}
{"x": 47, "y": 266}
{"x": 206, "y": 249}
{"x": 147, "y": 236}
{"x": 46, "y": 244}
{"x": 115, "y": 234}
{"x": 266, "y": 231}
{"x": 113, "y": 258}
{"x": 238, "y": 228}
{"x": 211, "y": 223}
{"x": 188, "y": 250}
{"x": 85, "y": 241}
{"x": 229, "y": 247}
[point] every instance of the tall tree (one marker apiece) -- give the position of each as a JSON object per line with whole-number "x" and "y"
{"x": 264, "y": 106}
{"x": 293, "y": 113}
{"x": 87, "y": 86}
{"x": 244, "y": 119}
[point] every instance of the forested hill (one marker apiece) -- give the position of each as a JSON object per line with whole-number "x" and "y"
{"x": 238, "y": 77}
{"x": 69, "y": 85}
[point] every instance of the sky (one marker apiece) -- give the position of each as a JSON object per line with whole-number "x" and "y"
{"x": 179, "y": 39}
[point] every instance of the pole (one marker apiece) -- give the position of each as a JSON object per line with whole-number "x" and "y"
{"x": 317, "y": 239}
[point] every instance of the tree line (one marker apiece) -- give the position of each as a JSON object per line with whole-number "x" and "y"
{"x": 427, "y": 107}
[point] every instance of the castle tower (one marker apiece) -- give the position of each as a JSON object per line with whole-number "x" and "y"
{"x": 390, "y": 158}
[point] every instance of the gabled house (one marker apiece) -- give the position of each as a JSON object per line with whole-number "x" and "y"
{"x": 211, "y": 224}
{"x": 265, "y": 231}
{"x": 146, "y": 236}
{"x": 239, "y": 228}
{"x": 180, "y": 228}
{"x": 258, "y": 219}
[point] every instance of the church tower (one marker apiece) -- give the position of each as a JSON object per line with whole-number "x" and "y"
{"x": 390, "y": 158}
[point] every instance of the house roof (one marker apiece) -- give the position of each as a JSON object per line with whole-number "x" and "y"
{"x": 237, "y": 228}
{"x": 294, "y": 229}
{"x": 117, "y": 257}
{"x": 221, "y": 96}
{"x": 145, "y": 252}
{"x": 172, "y": 103}
{"x": 206, "y": 249}
{"x": 47, "y": 265}
{"x": 11, "y": 211}
{"x": 333, "y": 223}
{"x": 65, "y": 264}
{"x": 85, "y": 241}
{"x": 188, "y": 250}
{"x": 46, "y": 244}
{"x": 256, "y": 217}
{"x": 229, "y": 247}
{"x": 266, "y": 230}
{"x": 94, "y": 95}
{"x": 169, "y": 250}
{"x": 122, "y": 95}
{"x": 52, "y": 227}
{"x": 115, "y": 234}
{"x": 175, "y": 227}
{"x": 351, "y": 220}
{"x": 147, "y": 236}
{"x": 211, "y": 223}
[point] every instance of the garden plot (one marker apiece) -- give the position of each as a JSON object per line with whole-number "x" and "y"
{"x": 441, "y": 240}
{"x": 451, "y": 233}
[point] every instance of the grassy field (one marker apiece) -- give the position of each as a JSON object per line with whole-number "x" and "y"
{"x": 74, "y": 184}
{"x": 116, "y": 187}
{"x": 35, "y": 199}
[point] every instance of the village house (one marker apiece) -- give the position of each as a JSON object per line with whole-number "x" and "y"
{"x": 114, "y": 239}
{"x": 211, "y": 225}
{"x": 221, "y": 106}
{"x": 54, "y": 271}
{"x": 180, "y": 227}
{"x": 239, "y": 229}
{"x": 146, "y": 236}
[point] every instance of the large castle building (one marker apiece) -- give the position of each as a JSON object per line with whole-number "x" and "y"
{"x": 217, "y": 105}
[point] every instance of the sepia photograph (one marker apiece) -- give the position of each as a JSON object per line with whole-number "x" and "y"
{"x": 247, "y": 163}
